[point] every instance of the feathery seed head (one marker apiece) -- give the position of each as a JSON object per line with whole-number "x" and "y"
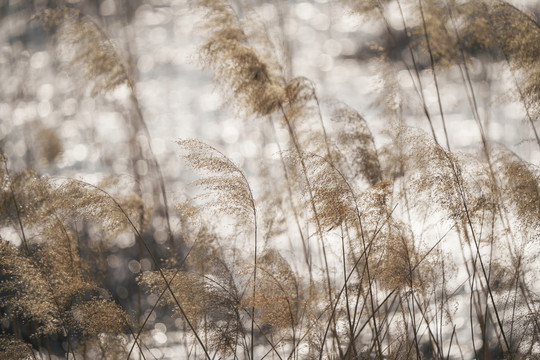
{"x": 87, "y": 48}
{"x": 238, "y": 68}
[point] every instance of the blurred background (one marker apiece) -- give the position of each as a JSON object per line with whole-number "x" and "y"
{"x": 51, "y": 122}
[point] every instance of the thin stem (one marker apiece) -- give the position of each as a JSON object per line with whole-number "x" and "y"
{"x": 305, "y": 244}
{"x": 432, "y": 63}
{"x": 154, "y": 260}
{"x": 313, "y": 208}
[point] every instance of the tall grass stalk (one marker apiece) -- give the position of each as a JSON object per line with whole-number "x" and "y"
{"x": 400, "y": 245}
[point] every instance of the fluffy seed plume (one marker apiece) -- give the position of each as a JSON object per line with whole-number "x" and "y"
{"x": 87, "y": 48}
{"x": 226, "y": 187}
{"x": 356, "y": 144}
{"x": 239, "y": 70}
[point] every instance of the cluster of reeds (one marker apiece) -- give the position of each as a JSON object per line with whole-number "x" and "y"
{"x": 335, "y": 247}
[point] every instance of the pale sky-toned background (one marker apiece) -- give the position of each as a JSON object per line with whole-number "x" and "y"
{"x": 179, "y": 99}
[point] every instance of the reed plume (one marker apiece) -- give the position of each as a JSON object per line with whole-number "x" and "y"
{"x": 347, "y": 243}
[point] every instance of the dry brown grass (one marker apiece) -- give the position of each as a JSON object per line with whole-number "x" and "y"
{"x": 387, "y": 244}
